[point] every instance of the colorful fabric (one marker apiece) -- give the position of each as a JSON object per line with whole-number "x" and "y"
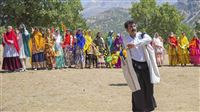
{"x": 37, "y": 43}
{"x": 88, "y": 42}
{"x": 158, "y": 45}
{"x": 49, "y": 51}
{"x": 79, "y": 56}
{"x": 183, "y": 53}
{"x": 38, "y": 57}
{"x": 194, "y": 48}
{"x": 11, "y": 63}
{"x": 21, "y": 46}
{"x": 11, "y": 38}
{"x": 172, "y": 50}
{"x": 59, "y": 51}
{"x": 118, "y": 43}
{"x": 9, "y": 50}
{"x": 99, "y": 42}
{"x": 68, "y": 40}
{"x": 69, "y": 55}
{"x": 110, "y": 44}
{"x": 60, "y": 61}
{"x": 80, "y": 41}
{"x": 26, "y": 39}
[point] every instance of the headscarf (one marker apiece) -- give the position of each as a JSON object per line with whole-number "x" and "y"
{"x": 183, "y": 41}
{"x": 194, "y": 42}
{"x": 58, "y": 41}
{"x": 110, "y": 40}
{"x": 38, "y": 40}
{"x": 67, "y": 40}
{"x": 172, "y": 39}
{"x": 11, "y": 36}
{"x": 88, "y": 41}
{"x": 80, "y": 40}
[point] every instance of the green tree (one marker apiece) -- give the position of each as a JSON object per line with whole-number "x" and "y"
{"x": 153, "y": 18}
{"x": 44, "y": 13}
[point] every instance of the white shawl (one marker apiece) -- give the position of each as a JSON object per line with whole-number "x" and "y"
{"x": 129, "y": 72}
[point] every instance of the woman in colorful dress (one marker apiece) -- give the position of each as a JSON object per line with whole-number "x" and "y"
{"x": 183, "y": 53}
{"x": 37, "y": 44}
{"x": 60, "y": 62}
{"x": 172, "y": 49}
{"x": 110, "y": 41}
{"x": 68, "y": 46}
{"x": 49, "y": 49}
{"x": 117, "y": 46}
{"x": 23, "y": 41}
{"x": 159, "y": 49}
{"x": 22, "y": 55}
{"x": 100, "y": 47}
{"x": 79, "y": 47}
{"x": 88, "y": 49}
{"x": 11, "y": 60}
{"x": 194, "y": 48}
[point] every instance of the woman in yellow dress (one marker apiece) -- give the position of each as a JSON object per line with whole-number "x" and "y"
{"x": 37, "y": 45}
{"x": 172, "y": 50}
{"x": 88, "y": 50}
{"x": 183, "y": 53}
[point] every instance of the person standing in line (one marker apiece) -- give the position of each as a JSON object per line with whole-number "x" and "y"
{"x": 79, "y": 46}
{"x": 11, "y": 50}
{"x": 37, "y": 50}
{"x": 159, "y": 48}
{"x": 100, "y": 47}
{"x": 172, "y": 50}
{"x": 194, "y": 48}
{"x": 117, "y": 46}
{"x": 23, "y": 41}
{"x": 88, "y": 49}
{"x": 60, "y": 63}
{"x": 49, "y": 49}
{"x": 68, "y": 47}
{"x": 183, "y": 53}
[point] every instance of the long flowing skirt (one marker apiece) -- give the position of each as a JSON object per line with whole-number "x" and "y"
{"x": 69, "y": 56}
{"x": 60, "y": 62}
{"x": 38, "y": 60}
{"x": 38, "y": 57}
{"x": 195, "y": 56}
{"x": 11, "y": 63}
{"x": 79, "y": 57}
{"x": 173, "y": 56}
{"x": 183, "y": 56}
{"x": 118, "y": 64}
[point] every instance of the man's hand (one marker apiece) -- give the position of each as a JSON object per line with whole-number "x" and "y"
{"x": 129, "y": 46}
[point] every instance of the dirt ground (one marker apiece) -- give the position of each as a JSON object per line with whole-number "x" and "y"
{"x": 95, "y": 90}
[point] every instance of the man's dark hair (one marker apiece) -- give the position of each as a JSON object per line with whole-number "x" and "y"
{"x": 127, "y": 23}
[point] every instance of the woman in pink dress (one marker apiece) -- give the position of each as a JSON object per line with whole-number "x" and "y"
{"x": 159, "y": 49}
{"x": 194, "y": 48}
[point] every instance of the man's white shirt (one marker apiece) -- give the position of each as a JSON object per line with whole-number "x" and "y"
{"x": 137, "y": 53}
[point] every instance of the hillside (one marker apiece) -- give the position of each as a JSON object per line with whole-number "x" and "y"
{"x": 109, "y": 17}
{"x": 190, "y": 9}
{"x": 112, "y": 19}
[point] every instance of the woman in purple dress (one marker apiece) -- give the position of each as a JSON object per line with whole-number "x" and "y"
{"x": 117, "y": 46}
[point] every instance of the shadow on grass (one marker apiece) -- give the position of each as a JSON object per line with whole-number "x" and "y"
{"x": 120, "y": 84}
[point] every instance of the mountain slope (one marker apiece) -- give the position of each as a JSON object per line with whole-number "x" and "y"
{"x": 190, "y": 9}
{"x": 112, "y": 19}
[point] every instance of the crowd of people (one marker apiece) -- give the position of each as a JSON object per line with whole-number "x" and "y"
{"x": 50, "y": 49}
{"x": 182, "y": 51}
